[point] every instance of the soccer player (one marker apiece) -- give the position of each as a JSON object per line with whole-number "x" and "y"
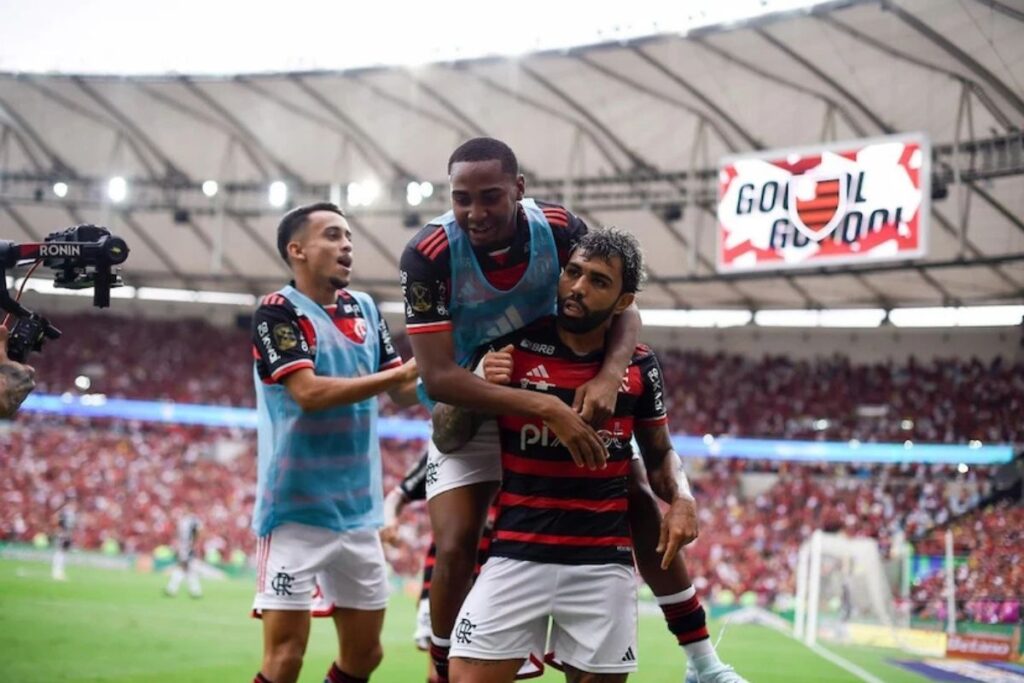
{"x": 67, "y": 518}
{"x": 488, "y": 267}
{"x": 562, "y": 534}
{"x": 322, "y": 355}
{"x": 484, "y": 269}
{"x": 656, "y": 547}
{"x": 187, "y": 541}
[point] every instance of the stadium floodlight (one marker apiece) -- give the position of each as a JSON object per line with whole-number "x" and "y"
{"x": 426, "y": 189}
{"x": 413, "y": 196}
{"x": 60, "y": 189}
{"x": 362, "y": 193}
{"x": 117, "y": 189}
{"x": 210, "y": 188}
{"x": 277, "y": 195}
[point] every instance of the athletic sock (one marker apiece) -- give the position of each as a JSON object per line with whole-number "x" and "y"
{"x": 439, "y": 653}
{"x": 336, "y": 675}
{"x": 260, "y": 678}
{"x": 688, "y": 622}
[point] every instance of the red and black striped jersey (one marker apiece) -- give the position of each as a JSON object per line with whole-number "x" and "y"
{"x": 550, "y": 510}
{"x": 284, "y": 340}
{"x": 426, "y": 266}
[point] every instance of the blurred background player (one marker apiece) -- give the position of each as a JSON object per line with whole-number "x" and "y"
{"x": 187, "y": 543}
{"x": 66, "y": 519}
{"x": 323, "y": 354}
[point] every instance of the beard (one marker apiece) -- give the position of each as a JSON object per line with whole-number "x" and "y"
{"x": 337, "y": 282}
{"x": 589, "y": 321}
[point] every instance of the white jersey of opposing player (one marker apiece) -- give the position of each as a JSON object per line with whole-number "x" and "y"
{"x": 188, "y": 532}
{"x": 67, "y": 519}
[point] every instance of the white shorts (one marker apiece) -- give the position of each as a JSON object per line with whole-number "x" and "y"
{"x": 592, "y": 610}
{"x": 531, "y": 668}
{"x": 479, "y": 460}
{"x": 345, "y": 569}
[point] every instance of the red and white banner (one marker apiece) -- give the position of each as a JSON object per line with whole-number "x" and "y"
{"x": 976, "y": 646}
{"x": 849, "y": 202}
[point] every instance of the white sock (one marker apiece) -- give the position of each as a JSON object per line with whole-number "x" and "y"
{"x": 58, "y": 564}
{"x": 681, "y": 596}
{"x": 194, "y": 589}
{"x": 176, "y": 576}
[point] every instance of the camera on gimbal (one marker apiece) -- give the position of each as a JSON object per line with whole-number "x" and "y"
{"x": 83, "y": 256}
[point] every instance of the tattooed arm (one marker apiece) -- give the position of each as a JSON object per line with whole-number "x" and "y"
{"x": 16, "y": 380}
{"x": 454, "y": 426}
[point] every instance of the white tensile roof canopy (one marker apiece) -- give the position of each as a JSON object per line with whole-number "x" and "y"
{"x": 627, "y": 133}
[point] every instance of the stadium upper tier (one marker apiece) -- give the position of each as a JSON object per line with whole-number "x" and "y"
{"x": 948, "y": 401}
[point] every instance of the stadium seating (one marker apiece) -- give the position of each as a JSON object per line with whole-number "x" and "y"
{"x": 132, "y": 481}
{"x": 945, "y": 401}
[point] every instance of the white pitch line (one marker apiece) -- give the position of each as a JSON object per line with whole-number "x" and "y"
{"x": 843, "y": 663}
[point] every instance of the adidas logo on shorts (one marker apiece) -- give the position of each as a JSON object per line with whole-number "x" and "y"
{"x": 629, "y": 656}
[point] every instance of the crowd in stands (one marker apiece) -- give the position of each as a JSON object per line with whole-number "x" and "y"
{"x": 943, "y": 401}
{"x": 990, "y": 583}
{"x": 132, "y": 481}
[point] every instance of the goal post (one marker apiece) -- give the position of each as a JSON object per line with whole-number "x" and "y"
{"x": 840, "y": 580}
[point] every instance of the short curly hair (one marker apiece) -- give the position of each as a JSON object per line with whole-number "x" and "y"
{"x": 608, "y": 242}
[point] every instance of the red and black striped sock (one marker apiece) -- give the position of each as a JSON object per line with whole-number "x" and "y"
{"x": 685, "y": 616}
{"x": 336, "y": 675}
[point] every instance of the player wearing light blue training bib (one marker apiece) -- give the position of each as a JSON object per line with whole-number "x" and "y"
{"x": 322, "y": 355}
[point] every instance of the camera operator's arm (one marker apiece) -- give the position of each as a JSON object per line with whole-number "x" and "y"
{"x": 16, "y": 380}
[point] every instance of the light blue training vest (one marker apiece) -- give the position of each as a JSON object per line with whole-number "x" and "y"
{"x": 321, "y": 468}
{"x": 480, "y": 311}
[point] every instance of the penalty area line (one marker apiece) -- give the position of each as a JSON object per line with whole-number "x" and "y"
{"x": 843, "y": 663}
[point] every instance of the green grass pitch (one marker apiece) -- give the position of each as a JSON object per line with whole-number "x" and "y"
{"x": 118, "y": 626}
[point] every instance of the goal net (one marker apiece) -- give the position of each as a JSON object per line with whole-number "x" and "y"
{"x": 840, "y": 580}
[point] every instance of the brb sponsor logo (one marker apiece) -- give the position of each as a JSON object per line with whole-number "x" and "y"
{"x": 848, "y": 202}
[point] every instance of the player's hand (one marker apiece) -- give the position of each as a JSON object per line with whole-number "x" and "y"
{"x": 389, "y": 535}
{"x": 595, "y": 400}
{"x": 409, "y": 371}
{"x": 585, "y": 446}
{"x": 498, "y": 366}
{"x": 678, "y": 528}
{"x": 16, "y": 380}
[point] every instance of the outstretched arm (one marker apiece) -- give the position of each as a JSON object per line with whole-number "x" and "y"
{"x": 669, "y": 482}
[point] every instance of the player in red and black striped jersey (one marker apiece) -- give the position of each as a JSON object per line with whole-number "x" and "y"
{"x": 564, "y": 539}
{"x": 550, "y": 509}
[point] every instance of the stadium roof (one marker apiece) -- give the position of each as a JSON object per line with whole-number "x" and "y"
{"x": 622, "y": 118}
